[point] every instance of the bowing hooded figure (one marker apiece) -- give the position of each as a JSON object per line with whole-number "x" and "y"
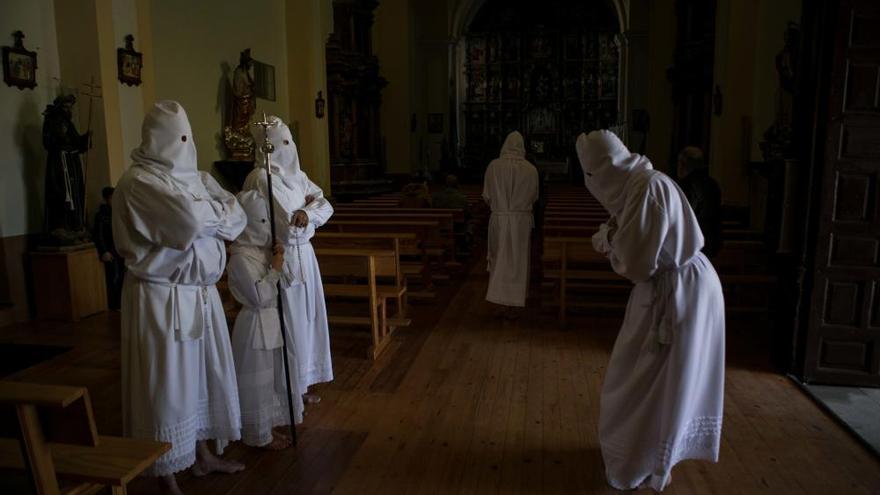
{"x": 254, "y": 273}
{"x": 663, "y": 392}
{"x": 169, "y": 223}
{"x": 300, "y": 208}
{"x": 510, "y": 188}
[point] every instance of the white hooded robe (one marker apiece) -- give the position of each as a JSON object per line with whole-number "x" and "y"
{"x": 510, "y": 188}
{"x": 305, "y": 309}
{"x": 663, "y": 393}
{"x": 256, "y": 336}
{"x": 169, "y": 223}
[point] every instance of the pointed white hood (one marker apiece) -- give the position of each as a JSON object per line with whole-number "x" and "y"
{"x": 608, "y": 165}
{"x": 514, "y": 146}
{"x": 285, "y": 158}
{"x": 167, "y": 147}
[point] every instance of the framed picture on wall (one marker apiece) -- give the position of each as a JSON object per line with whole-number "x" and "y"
{"x": 264, "y": 81}
{"x": 129, "y": 63}
{"x": 19, "y": 64}
{"x": 435, "y": 123}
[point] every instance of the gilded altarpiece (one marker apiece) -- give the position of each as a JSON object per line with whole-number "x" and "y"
{"x": 550, "y": 70}
{"x": 354, "y": 95}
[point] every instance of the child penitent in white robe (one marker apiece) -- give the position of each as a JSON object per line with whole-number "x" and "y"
{"x": 170, "y": 222}
{"x": 256, "y": 337}
{"x": 300, "y": 208}
{"x": 510, "y": 188}
{"x": 663, "y": 393}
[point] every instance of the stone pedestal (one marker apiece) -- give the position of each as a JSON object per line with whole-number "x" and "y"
{"x": 68, "y": 284}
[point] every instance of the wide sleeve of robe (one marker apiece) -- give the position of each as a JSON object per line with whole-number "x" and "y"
{"x": 168, "y": 216}
{"x": 230, "y": 218}
{"x": 636, "y": 245}
{"x": 319, "y": 210}
{"x": 254, "y": 285}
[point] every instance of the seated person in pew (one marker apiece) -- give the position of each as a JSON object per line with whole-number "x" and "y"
{"x": 300, "y": 208}
{"x": 416, "y": 194}
{"x": 257, "y": 343}
{"x": 704, "y": 196}
{"x": 510, "y": 190}
{"x": 178, "y": 376}
{"x": 662, "y": 398}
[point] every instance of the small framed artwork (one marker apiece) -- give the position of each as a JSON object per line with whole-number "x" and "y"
{"x": 129, "y": 63}
{"x": 264, "y": 81}
{"x": 19, "y": 64}
{"x": 435, "y": 123}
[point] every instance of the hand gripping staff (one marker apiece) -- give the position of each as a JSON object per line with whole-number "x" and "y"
{"x": 267, "y": 148}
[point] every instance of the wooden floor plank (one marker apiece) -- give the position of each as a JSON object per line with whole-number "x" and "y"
{"x": 465, "y": 403}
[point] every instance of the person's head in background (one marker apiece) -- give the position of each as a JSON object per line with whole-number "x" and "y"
{"x": 690, "y": 159}
{"x": 451, "y": 182}
{"x": 107, "y": 194}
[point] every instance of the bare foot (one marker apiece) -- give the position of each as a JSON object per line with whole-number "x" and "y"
{"x": 282, "y": 432}
{"x": 279, "y": 442}
{"x": 168, "y": 485}
{"x": 311, "y": 399}
{"x": 207, "y": 462}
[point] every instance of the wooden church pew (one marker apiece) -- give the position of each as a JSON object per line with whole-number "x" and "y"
{"x": 369, "y": 265}
{"x": 58, "y": 440}
{"x": 375, "y": 240}
{"x": 424, "y": 247}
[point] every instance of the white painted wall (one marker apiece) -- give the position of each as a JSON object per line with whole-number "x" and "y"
{"x": 22, "y": 158}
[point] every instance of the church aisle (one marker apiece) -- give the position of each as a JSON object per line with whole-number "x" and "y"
{"x": 465, "y": 403}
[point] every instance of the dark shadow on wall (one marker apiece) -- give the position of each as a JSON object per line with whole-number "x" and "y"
{"x": 223, "y": 104}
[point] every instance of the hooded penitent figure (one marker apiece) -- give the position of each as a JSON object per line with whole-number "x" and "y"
{"x": 169, "y": 223}
{"x": 510, "y": 188}
{"x": 304, "y": 308}
{"x": 256, "y": 337}
{"x": 663, "y": 392}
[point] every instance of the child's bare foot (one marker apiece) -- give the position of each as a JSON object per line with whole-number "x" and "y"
{"x": 279, "y": 442}
{"x": 207, "y": 462}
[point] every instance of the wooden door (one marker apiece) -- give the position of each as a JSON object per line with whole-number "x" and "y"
{"x": 843, "y": 340}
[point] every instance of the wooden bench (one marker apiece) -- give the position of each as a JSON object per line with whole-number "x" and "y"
{"x": 445, "y": 226}
{"x": 58, "y": 441}
{"x": 573, "y": 259}
{"x": 368, "y": 265}
{"x": 422, "y": 248}
{"x": 375, "y": 240}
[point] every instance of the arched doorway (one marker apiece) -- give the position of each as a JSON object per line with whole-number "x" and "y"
{"x": 550, "y": 70}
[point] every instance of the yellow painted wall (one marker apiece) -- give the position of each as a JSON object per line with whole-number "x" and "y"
{"x": 392, "y": 41}
{"x": 79, "y": 47}
{"x": 130, "y": 108}
{"x": 748, "y": 36}
{"x": 661, "y": 47}
{"x": 196, "y": 46}
{"x": 431, "y": 69}
{"x": 309, "y": 23}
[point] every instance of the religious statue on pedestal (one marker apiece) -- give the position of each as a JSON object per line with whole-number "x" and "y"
{"x": 778, "y": 138}
{"x": 237, "y": 134}
{"x": 65, "y": 178}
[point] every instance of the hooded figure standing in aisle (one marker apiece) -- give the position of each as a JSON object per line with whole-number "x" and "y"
{"x": 170, "y": 222}
{"x": 662, "y": 398}
{"x": 300, "y": 209}
{"x": 510, "y": 188}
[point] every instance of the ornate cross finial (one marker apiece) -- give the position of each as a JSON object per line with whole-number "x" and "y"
{"x": 19, "y": 36}
{"x": 267, "y": 146}
{"x": 92, "y": 90}
{"x": 129, "y": 42}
